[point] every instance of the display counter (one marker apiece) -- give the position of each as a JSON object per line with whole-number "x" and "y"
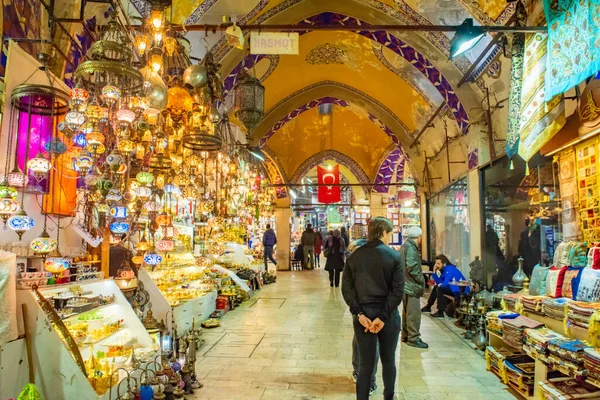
{"x": 79, "y": 331}
{"x": 180, "y": 287}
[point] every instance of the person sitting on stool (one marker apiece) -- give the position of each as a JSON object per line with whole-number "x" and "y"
{"x": 443, "y": 274}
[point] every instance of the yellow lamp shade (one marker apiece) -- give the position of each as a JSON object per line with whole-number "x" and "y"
{"x": 179, "y": 100}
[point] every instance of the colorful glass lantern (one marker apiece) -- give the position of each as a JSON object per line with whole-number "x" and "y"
{"x": 55, "y": 146}
{"x": 5, "y": 189}
{"x": 83, "y": 162}
{"x": 43, "y": 244}
{"x": 139, "y": 104}
{"x": 119, "y": 212}
{"x": 165, "y": 245}
{"x": 8, "y": 206}
{"x": 163, "y": 219}
{"x": 142, "y": 43}
{"x": 119, "y": 228}
{"x": 39, "y": 166}
{"x": 137, "y": 259}
{"x": 114, "y": 195}
{"x": 95, "y": 138}
{"x": 155, "y": 59}
{"x": 20, "y": 222}
{"x": 74, "y": 120}
{"x": 80, "y": 140}
{"x": 56, "y": 265}
{"x": 102, "y": 208}
{"x": 172, "y": 189}
{"x": 104, "y": 184}
{"x": 143, "y": 192}
{"x": 79, "y": 95}
{"x": 111, "y": 94}
{"x": 17, "y": 178}
{"x": 144, "y": 177}
{"x": 125, "y": 115}
{"x": 152, "y": 258}
{"x": 126, "y": 146}
{"x": 115, "y": 159}
{"x": 190, "y": 192}
{"x": 95, "y": 113}
{"x": 170, "y": 231}
{"x": 179, "y": 101}
{"x": 152, "y": 206}
{"x": 182, "y": 180}
{"x": 143, "y": 244}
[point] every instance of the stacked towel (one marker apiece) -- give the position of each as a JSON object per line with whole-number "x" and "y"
{"x": 533, "y": 304}
{"x": 536, "y": 342}
{"x": 591, "y": 362}
{"x": 555, "y": 308}
{"x": 566, "y": 356}
{"x": 511, "y": 300}
{"x": 579, "y": 313}
{"x": 512, "y": 330}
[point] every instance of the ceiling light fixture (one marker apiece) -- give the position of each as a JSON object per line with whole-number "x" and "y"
{"x": 256, "y": 152}
{"x": 466, "y": 37}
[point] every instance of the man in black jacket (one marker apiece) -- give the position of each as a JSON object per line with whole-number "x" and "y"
{"x": 373, "y": 286}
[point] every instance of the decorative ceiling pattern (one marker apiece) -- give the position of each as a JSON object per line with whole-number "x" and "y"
{"x": 389, "y": 41}
{"x": 386, "y": 170}
{"x": 327, "y": 53}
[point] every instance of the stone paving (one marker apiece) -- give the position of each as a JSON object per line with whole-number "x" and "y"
{"x": 292, "y": 340}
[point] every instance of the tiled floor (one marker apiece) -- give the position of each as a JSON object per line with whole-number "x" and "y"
{"x": 292, "y": 340}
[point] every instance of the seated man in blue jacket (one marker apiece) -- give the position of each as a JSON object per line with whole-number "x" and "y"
{"x": 443, "y": 274}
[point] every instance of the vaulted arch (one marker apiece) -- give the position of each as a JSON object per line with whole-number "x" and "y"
{"x": 345, "y": 161}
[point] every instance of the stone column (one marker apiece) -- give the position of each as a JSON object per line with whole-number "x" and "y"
{"x": 378, "y": 209}
{"x": 475, "y": 216}
{"x": 283, "y": 215}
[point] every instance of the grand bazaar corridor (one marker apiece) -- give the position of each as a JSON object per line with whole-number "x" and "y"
{"x": 292, "y": 340}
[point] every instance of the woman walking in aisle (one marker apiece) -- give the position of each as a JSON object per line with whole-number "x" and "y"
{"x": 334, "y": 251}
{"x": 318, "y": 247}
{"x": 373, "y": 288}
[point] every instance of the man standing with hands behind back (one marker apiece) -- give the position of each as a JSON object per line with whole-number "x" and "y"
{"x": 372, "y": 286}
{"x": 414, "y": 288}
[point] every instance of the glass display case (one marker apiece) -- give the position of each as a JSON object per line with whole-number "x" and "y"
{"x": 180, "y": 290}
{"x": 83, "y": 330}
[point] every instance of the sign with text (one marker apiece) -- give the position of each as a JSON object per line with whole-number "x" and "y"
{"x": 274, "y": 43}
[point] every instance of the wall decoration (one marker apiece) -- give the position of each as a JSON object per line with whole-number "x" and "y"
{"x": 386, "y": 170}
{"x": 326, "y": 54}
{"x": 540, "y": 119}
{"x": 573, "y": 43}
{"x": 589, "y": 189}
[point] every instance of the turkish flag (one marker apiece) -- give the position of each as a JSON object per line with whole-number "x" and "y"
{"x": 329, "y": 194}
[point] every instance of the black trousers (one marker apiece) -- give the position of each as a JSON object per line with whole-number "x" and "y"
{"x": 440, "y": 293}
{"x": 334, "y": 277}
{"x": 387, "y": 339}
{"x": 432, "y": 296}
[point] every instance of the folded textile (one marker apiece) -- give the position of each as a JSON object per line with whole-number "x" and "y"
{"x": 568, "y": 388}
{"x": 568, "y": 350}
{"x": 555, "y": 308}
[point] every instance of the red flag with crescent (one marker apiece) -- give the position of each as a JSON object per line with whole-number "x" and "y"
{"x": 329, "y": 176}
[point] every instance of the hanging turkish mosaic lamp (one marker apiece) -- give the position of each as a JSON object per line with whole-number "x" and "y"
{"x": 8, "y": 206}
{"x": 152, "y": 258}
{"x": 20, "y": 222}
{"x": 5, "y": 188}
{"x": 56, "y": 264}
{"x": 114, "y": 160}
{"x": 119, "y": 228}
{"x": 17, "y": 178}
{"x": 144, "y": 177}
{"x": 249, "y": 101}
{"x": 44, "y": 244}
{"x": 143, "y": 244}
{"x": 39, "y": 166}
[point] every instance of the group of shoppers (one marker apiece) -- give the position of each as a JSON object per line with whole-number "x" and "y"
{"x": 377, "y": 279}
{"x": 333, "y": 247}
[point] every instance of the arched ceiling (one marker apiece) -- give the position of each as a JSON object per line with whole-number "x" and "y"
{"x": 347, "y": 130}
{"x": 386, "y": 84}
